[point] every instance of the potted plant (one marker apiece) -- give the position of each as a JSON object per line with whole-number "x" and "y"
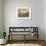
{"x": 2, "y": 37}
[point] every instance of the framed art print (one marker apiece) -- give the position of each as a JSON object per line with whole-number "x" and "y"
{"x": 23, "y": 13}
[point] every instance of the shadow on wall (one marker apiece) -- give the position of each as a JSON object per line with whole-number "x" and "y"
{"x": 1, "y": 34}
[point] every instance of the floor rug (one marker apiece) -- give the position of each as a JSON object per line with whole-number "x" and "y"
{"x": 23, "y": 45}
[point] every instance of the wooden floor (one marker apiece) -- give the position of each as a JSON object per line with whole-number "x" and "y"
{"x": 40, "y": 42}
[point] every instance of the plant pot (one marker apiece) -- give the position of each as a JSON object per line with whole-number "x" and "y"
{"x": 3, "y": 41}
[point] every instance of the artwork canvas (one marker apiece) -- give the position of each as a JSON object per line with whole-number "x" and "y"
{"x": 23, "y": 13}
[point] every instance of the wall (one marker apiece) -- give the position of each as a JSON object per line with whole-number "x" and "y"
{"x": 45, "y": 19}
{"x": 0, "y": 18}
{"x": 37, "y": 15}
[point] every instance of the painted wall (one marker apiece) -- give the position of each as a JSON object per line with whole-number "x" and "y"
{"x": 45, "y": 19}
{"x": 37, "y": 15}
{"x": 0, "y": 18}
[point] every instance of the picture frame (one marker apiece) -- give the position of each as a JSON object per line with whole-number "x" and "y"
{"x": 23, "y": 13}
